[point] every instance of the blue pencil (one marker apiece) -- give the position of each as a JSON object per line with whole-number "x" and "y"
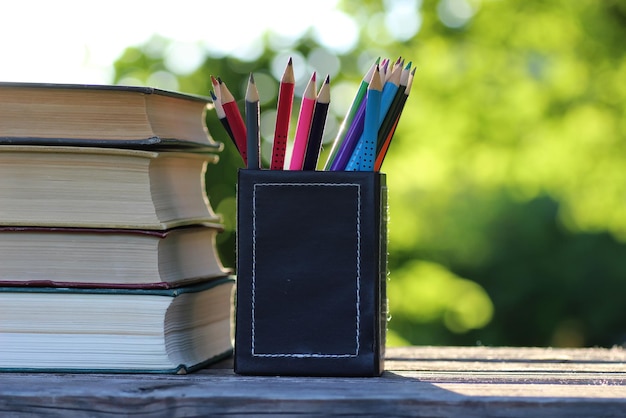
{"x": 348, "y": 120}
{"x": 390, "y": 88}
{"x": 365, "y": 155}
{"x": 391, "y": 114}
{"x": 389, "y": 92}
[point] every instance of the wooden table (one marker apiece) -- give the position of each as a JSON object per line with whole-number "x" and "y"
{"x": 419, "y": 381}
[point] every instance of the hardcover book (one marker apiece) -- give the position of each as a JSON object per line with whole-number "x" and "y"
{"x": 115, "y": 330}
{"x": 108, "y": 258}
{"x": 116, "y": 258}
{"x": 103, "y": 116}
{"x": 102, "y": 187}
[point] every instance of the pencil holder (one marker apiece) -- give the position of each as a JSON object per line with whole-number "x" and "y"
{"x": 311, "y": 273}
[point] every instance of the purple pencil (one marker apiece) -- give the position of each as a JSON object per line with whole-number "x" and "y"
{"x": 352, "y": 138}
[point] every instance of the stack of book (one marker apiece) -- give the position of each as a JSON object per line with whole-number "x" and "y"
{"x": 108, "y": 259}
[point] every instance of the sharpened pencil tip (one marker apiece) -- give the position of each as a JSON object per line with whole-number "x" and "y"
{"x": 327, "y": 80}
{"x": 252, "y": 94}
{"x": 288, "y": 75}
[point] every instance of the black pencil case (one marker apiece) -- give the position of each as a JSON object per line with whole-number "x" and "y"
{"x": 311, "y": 273}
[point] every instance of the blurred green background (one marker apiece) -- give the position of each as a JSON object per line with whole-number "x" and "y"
{"x": 507, "y": 173}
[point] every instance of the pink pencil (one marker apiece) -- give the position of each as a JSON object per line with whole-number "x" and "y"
{"x": 304, "y": 124}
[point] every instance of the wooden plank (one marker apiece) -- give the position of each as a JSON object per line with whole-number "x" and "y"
{"x": 420, "y": 381}
{"x": 542, "y": 362}
{"x": 510, "y": 354}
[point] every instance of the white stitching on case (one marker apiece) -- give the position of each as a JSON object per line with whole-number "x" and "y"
{"x": 358, "y": 269}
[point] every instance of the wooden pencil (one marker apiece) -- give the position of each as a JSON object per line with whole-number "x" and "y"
{"x": 316, "y": 133}
{"x": 303, "y": 127}
{"x": 389, "y": 118}
{"x": 253, "y": 134}
{"x": 385, "y": 146}
{"x": 365, "y": 152}
{"x": 338, "y": 143}
{"x": 283, "y": 117}
{"x": 221, "y": 115}
{"x": 235, "y": 120}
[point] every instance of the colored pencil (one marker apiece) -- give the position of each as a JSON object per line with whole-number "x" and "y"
{"x": 233, "y": 115}
{"x": 395, "y": 65}
{"x": 389, "y": 136}
{"x": 389, "y": 92}
{"x": 283, "y": 117}
{"x": 219, "y": 111}
{"x": 253, "y": 133}
{"x": 318, "y": 122}
{"x": 304, "y": 124}
{"x": 404, "y": 77}
{"x": 351, "y": 140}
{"x": 365, "y": 152}
{"x": 349, "y": 118}
{"x": 216, "y": 87}
{"x": 371, "y": 125}
{"x": 389, "y": 118}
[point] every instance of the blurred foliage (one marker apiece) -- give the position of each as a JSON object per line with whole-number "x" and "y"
{"x": 506, "y": 174}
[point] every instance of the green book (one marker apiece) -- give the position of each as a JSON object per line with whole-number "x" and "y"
{"x": 47, "y": 329}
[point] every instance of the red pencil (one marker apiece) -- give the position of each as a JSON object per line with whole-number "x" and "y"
{"x": 235, "y": 120}
{"x": 283, "y": 117}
